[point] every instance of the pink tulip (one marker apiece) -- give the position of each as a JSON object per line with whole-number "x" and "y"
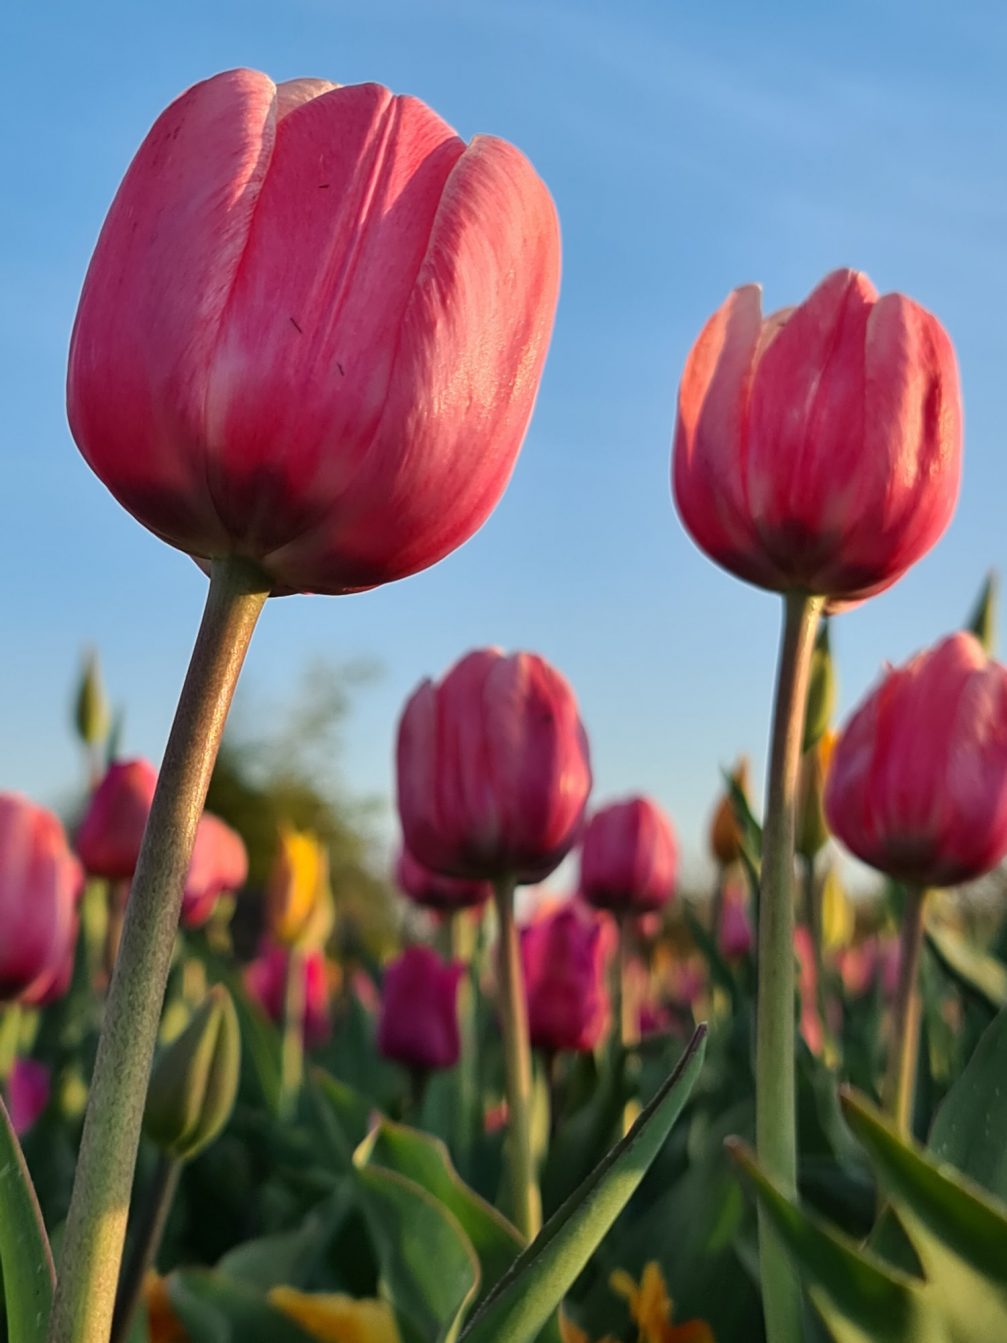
{"x": 219, "y": 865}
{"x": 266, "y": 984}
{"x": 493, "y": 768}
{"x": 629, "y": 857}
{"x": 313, "y": 329}
{"x": 110, "y": 835}
{"x": 418, "y": 1025}
{"x": 735, "y": 938}
{"x": 40, "y": 883}
{"x": 433, "y": 891}
{"x": 564, "y": 952}
{"x": 819, "y": 449}
{"x": 28, "y": 1089}
{"x": 918, "y": 782}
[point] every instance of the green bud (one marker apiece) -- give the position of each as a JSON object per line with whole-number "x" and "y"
{"x": 821, "y": 690}
{"x": 195, "y": 1080}
{"x": 91, "y": 714}
{"x": 982, "y": 621}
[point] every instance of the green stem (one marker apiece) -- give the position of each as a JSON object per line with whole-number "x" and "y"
{"x": 517, "y": 1060}
{"x": 96, "y": 1225}
{"x": 463, "y": 951}
{"x": 10, "y": 1038}
{"x": 775, "y": 1118}
{"x": 147, "y": 1237}
{"x": 813, "y": 919}
{"x": 904, "y": 1047}
{"x": 292, "y": 1050}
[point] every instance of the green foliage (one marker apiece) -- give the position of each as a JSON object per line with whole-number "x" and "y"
{"x": 25, "y": 1258}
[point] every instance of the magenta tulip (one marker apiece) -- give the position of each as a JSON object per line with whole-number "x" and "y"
{"x": 28, "y": 1089}
{"x": 313, "y": 329}
{"x": 493, "y": 768}
{"x": 565, "y": 952}
{"x": 40, "y": 883}
{"x": 418, "y": 1025}
{"x": 629, "y": 857}
{"x": 433, "y": 891}
{"x": 917, "y": 786}
{"x": 266, "y": 983}
{"x": 109, "y": 836}
{"x": 219, "y": 865}
{"x": 735, "y": 938}
{"x": 819, "y": 449}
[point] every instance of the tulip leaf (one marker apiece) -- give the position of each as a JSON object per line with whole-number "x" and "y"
{"x": 970, "y": 1125}
{"x": 979, "y": 974}
{"x": 342, "y": 1116}
{"x": 289, "y": 1258}
{"x": 25, "y": 1257}
{"x": 215, "y": 1309}
{"x": 530, "y": 1292}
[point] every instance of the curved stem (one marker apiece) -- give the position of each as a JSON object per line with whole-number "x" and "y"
{"x": 149, "y": 1232}
{"x": 904, "y": 1046}
{"x": 292, "y": 1045}
{"x": 96, "y": 1225}
{"x": 775, "y": 1118}
{"x": 517, "y": 1059}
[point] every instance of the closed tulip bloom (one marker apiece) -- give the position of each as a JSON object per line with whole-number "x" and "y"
{"x": 266, "y": 983}
{"x": 40, "y": 882}
{"x": 418, "y": 1025}
{"x": 219, "y": 865}
{"x": 917, "y": 786}
{"x": 313, "y": 329}
{"x": 629, "y": 857}
{"x": 819, "y": 449}
{"x": 28, "y": 1089}
{"x": 493, "y": 768}
{"x": 433, "y": 891}
{"x": 565, "y": 952}
{"x": 110, "y": 835}
{"x": 812, "y": 827}
{"x": 725, "y": 832}
{"x": 298, "y": 898}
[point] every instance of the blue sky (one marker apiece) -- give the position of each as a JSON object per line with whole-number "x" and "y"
{"x": 690, "y": 148}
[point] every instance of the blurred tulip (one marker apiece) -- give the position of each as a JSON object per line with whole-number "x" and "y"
{"x": 266, "y": 983}
{"x": 819, "y": 449}
{"x": 433, "y": 891}
{"x": 28, "y": 1089}
{"x": 725, "y": 832}
{"x": 335, "y": 1318}
{"x": 219, "y": 866}
{"x": 298, "y": 900}
{"x": 735, "y": 937}
{"x": 40, "y": 883}
{"x": 109, "y": 836}
{"x": 163, "y": 1324}
{"x": 418, "y": 1025}
{"x": 838, "y": 915}
{"x": 565, "y": 952}
{"x": 917, "y": 787}
{"x": 812, "y": 827}
{"x": 629, "y": 857}
{"x": 493, "y": 768}
{"x": 313, "y": 329}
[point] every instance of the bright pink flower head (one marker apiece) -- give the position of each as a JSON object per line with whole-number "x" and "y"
{"x": 433, "y": 891}
{"x": 629, "y": 857}
{"x": 735, "y": 938}
{"x": 917, "y": 786}
{"x": 266, "y": 984}
{"x": 819, "y": 448}
{"x": 418, "y": 1025}
{"x": 28, "y": 1089}
{"x": 110, "y": 835}
{"x": 493, "y": 768}
{"x": 564, "y": 952}
{"x": 313, "y": 329}
{"x": 40, "y": 883}
{"x": 219, "y": 865}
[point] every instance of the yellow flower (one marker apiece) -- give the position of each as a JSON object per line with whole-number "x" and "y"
{"x": 298, "y": 899}
{"x": 650, "y": 1309}
{"x": 335, "y": 1318}
{"x": 838, "y": 915}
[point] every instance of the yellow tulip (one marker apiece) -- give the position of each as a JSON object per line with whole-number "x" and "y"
{"x": 335, "y": 1318}
{"x": 298, "y": 899}
{"x": 838, "y": 915}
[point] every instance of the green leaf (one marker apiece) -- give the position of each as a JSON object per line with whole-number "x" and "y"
{"x": 528, "y": 1294}
{"x": 28, "y": 1273}
{"x": 288, "y": 1258}
{"x": 214, "y": 1309}
{"x": 979, "y": 974}
{"x": 970, "y": 1127}
{"x": 342, "y": 1116}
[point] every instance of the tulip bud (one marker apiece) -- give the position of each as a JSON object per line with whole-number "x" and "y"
{"x": 195, "y": 1081}
{"x": 266, "y": 982}
{"x": 725, "y": 832}
{"x": 110, "y": 835}
{"x": 418, "y": 1026}
{"x": 812, "y": 827}
{"x": 91, "y": 712}
{"x": 819, "y": 449}
{"x": 982, "y": 621}
{"x": 629, "y": 857}
{"x": 918, "y": 782}
{"x": 838, "y": 915}
{"x": 28, "y": 1089}
{"x": 821, "y": 690}
{"x": 219, "y": 865}
{"x": 565, "y": 952}
{"x": 298, "y": 898}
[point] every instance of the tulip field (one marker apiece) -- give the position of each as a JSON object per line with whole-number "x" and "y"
{"x": 530, "y": 1080}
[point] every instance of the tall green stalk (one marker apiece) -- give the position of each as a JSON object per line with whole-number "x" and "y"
{"x": 292, "y": 1045}
{"x": 904, "y": 1046}
{"x": 96, "y": 1225}
{"x": 775, "y": 1117}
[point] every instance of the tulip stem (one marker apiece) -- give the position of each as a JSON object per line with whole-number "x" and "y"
{"x": 292, "y": 1048}
{"x": 904, "y": 1045}
{"x": 527, "y": 1206}
{"x": 148, "y": 1233}
{"x": 775, "y": 1117}
{"x": 96, "y": 1224}
{"x": 10, "y": 1038}
{"x": 463, "y": 950}
{"x": 813, "y": 919}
